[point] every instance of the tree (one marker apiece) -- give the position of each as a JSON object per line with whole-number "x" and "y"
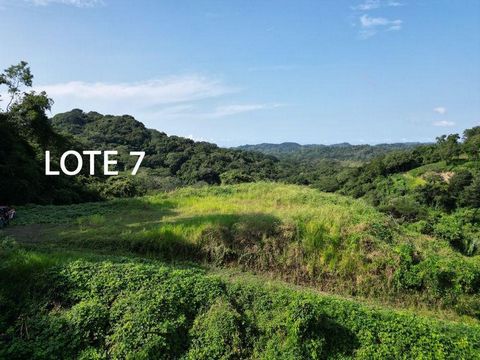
{"x": 471, "y": 195}
{"x": 459, "y": 181}
{"x": 435, "y": 193}
{"x": 471, "y": 142}
{"x": 29, "y": 115}
{"x": 235, "y": 177}
{"x": 448, "y": 147}
{"x": 14, "y": 77}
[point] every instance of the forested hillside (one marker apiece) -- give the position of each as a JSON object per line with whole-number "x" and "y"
{"x": 25, "y": 134}
{"x": 343, "y": 151}
{"x": 182, "y": 161}
{"x": 435, "y": 188}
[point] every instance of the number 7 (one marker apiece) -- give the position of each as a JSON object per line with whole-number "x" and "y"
{"x": 141, "y": 155}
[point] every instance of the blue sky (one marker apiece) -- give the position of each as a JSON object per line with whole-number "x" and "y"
{"x": 249, "y": 71}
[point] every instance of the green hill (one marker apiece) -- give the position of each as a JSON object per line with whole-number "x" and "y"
{"x": 181, "y": 160}
{"x": 343, "y": 151}
{"x": 331, "y": 242}
{"x": 387, "y": 265}
{"x": 79, "y": 281}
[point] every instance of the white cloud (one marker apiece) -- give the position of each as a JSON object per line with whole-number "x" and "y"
{"x": 152, "y": 101}
{"x": 192, "y": 112}
{"x": 76, "y": 3}
{"x": 375, "y": 4}
{"x": 440, "y": 110}
{"x": 199, "y": 138}
{"x": 229, "y": 110}
{"x": 371, "y": 25}
{"x": 444, "y": 123}
{"x": 371, "y": 22}
{"x": 138, "y": 98}
{"x": 146, "y": 93}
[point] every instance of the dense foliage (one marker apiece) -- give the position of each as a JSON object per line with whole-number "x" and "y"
{"x": 25, "y": 134}
{"x": 118, "y": 308}
{"x": 434, "y": 187}
{"x": 181, "y": 160}
{"x": 345, "y": 151}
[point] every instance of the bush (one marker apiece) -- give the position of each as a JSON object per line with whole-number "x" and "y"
{"x": 121, "y": 186}
{"x": 217, "y": 333}
{"x": 232, "y": 177}
{"x": 405, "y": 207}
{"x": 461, "y": 234}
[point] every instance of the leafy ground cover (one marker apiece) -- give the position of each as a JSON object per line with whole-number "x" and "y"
{"x": 58, "y": 305}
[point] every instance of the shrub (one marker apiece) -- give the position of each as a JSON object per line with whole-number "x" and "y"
{"x": 461, "y": 234}
{"x": 405, "y": 207}
{"x": 217, "y": 333}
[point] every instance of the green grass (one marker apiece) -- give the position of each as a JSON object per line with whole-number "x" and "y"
{"x": 413, "y": 181}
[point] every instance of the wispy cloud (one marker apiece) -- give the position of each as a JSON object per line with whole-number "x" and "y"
{"x": 440, "y": 110}
{"x": 375, "y": 4}
{"x": 444, "y": 123}
{"x": 134, "y": 98}
{"x": 174, "y": 89}
{"x": 369, "y": 26}
{"x": 76, "y": 3}
{"x": 229, "y": 110}
{"x": 174, "y": 98}
{"x": 193, "y": 112}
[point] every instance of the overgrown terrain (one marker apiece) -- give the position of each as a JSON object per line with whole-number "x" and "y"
{"x": 324, "y": 241}
{"x": 56, "y": 306}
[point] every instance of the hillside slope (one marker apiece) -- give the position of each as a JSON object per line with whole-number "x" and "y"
{"x": 328, "y": 241}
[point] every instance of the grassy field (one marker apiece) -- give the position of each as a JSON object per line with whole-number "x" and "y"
{"x": 95, "y": 255}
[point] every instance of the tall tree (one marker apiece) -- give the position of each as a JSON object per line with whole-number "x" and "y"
{"x": 15, "y": 77}
{"x": 448, "y": 147}
{"x": 471, "y": 142}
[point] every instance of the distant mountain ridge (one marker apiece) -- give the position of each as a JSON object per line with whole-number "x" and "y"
{"x": 341, "y": 151}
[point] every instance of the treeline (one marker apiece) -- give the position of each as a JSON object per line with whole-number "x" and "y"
{"x": 345, "y": 152}
{"x": 453, "y": 153}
